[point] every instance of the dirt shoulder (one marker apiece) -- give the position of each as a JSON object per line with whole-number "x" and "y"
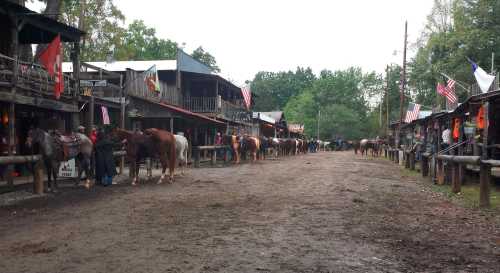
{"x": 325, "y": 212}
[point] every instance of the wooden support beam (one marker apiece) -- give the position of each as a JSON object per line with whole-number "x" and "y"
{"x": 412, "y": 160}
{"x": 484, "y": 185}
{"x": 38, "y": 178}
{"x": 424, "y": 165}
{"x": 455, "y": 177}
{"x": 196, "y": 155}
{"x": 440, "y": 172}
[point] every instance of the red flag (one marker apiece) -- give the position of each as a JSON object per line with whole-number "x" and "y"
{"x": 51, "y": 59}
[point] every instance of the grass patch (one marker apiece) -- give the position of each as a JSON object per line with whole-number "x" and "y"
{"x": 469, "y": 196}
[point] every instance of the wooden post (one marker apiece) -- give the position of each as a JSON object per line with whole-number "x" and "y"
{"x": 122, "y": 118}
{"x": 455, "y": 177}
{"x": 424, "y": 166}
{"x": 440, "y": 172}
{"x": 484, "y": 185}
{"x": 412, "y": 160}
{"x": 172, "y": 125}
{"x": 196, "y": 155}
{"x": 213, "y": 160}
{"x": 12, "y": 105}
{"x": 485, "y": 170}
{"x": 38, "y": 178}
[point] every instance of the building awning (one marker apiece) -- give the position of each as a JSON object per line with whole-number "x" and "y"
{"x": 189, "y": 114}
{"x": 38, "y": 28}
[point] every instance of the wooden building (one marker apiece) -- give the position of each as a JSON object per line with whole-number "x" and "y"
{"x": 191, "y": 99}
{"x": 264, "y": 125}
{"x": 26, "y": 90}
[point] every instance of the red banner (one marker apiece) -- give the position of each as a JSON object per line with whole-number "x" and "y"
{"x": 51, "y": 59}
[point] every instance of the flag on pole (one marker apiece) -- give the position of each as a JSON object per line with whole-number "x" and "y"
{"x": 151, "y": 79}
{"x": 412, "y": 112}
{"x": 448, "y": 91}
{"x": 484, "y": 80}
{"x": 51, "y": 59}
{"x": 247, "y": 95}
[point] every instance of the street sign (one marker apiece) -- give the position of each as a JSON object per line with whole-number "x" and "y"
{"x": 93, "y": 83}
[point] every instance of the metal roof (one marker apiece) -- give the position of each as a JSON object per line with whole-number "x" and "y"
{"x": 276, "y": 115}
{"x": 262, "y": 116}
{"x": 121, "y": 66}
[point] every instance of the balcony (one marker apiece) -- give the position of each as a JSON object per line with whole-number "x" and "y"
{"x": 217, "y": 107}
{"x": 32, "y": 79}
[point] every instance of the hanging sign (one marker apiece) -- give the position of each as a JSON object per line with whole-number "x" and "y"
{"x": 68, "y": 169}
{"x": 93, "y": 83}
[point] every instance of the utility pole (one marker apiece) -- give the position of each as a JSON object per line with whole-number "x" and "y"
{"x": 380, "y": 109}
{"x": 387, "y": 100}
{"x": 317, "y": 129}
{"x": 402, "y": 87}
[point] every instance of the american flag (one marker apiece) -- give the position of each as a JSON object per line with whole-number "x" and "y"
{"x": 412, "y": 112}
{"x": 448, "y": 91}
{"x": 247, "y": 95}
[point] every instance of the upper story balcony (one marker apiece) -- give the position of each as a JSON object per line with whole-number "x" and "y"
{"x": 217, "y": 107}
{"x": 32, "y": 79}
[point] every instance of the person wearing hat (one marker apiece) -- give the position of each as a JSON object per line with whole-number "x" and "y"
{"x": 81, "y": 129}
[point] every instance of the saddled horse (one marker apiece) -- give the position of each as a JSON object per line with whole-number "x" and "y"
{"x": 57, "y": 148}
{"x": 233, "y": 141}
{"x": 251, "y": 144}
{"x": 139, "y": 147}
{"x": 165, "y": 145}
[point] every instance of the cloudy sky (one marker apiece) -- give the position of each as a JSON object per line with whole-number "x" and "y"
{"x": 247, "y": 36}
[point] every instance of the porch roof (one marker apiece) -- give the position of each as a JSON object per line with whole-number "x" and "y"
{"x": 37, "y": 28}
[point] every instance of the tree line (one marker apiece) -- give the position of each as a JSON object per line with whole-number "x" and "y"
{"x": 352, "y": 104}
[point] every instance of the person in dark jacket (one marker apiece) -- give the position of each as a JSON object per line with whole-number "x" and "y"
{"x": 105, "y": 163}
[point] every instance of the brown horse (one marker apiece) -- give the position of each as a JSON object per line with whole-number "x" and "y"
{"x": 139, "y": 147}
{"x": 252, "y": 145}
{"x": 165, "y": 144}
{"x": 233, "y": 141}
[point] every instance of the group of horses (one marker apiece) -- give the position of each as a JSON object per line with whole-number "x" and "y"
{"x": 364, "y": 146}
{"x": 171, "y": 150}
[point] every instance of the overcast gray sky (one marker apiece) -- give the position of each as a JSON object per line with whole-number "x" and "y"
{"x": 254, "y": 35}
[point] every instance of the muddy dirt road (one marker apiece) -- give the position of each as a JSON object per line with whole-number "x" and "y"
{"x": 326, "y": 212}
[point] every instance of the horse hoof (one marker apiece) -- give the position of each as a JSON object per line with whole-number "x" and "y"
{"x": 159, "y": 182}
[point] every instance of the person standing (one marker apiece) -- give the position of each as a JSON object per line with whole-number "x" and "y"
{"x": 105, "y": 163}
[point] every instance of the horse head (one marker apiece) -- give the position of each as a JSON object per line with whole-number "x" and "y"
{"x": 36, "y": 136}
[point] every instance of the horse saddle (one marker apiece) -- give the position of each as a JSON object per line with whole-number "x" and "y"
{"x": 70, "y": 145}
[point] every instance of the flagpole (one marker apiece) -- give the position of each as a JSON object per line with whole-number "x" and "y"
{"x": 402, "y": 87}
{"x": 387, "y": 99}
{"x": 458, "y": 82}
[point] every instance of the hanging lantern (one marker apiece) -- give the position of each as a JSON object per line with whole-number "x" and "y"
{"x": 5, "y": 118}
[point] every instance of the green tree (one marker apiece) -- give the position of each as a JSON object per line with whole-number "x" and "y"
{"x": 101, "y": 20}
{"x": 206, "y": 58}
{"x": 140, "y": 43}
{"x": 274, "y": 89}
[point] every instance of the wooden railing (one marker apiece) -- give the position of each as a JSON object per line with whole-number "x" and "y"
{"x": 218, "y": 106}
{"x": 32, "y": 78}
{"x": 137, "y": 87}
{"x": 203, "y": 104}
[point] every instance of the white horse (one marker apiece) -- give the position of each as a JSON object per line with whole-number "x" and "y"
{"x": 181, "y": 150}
